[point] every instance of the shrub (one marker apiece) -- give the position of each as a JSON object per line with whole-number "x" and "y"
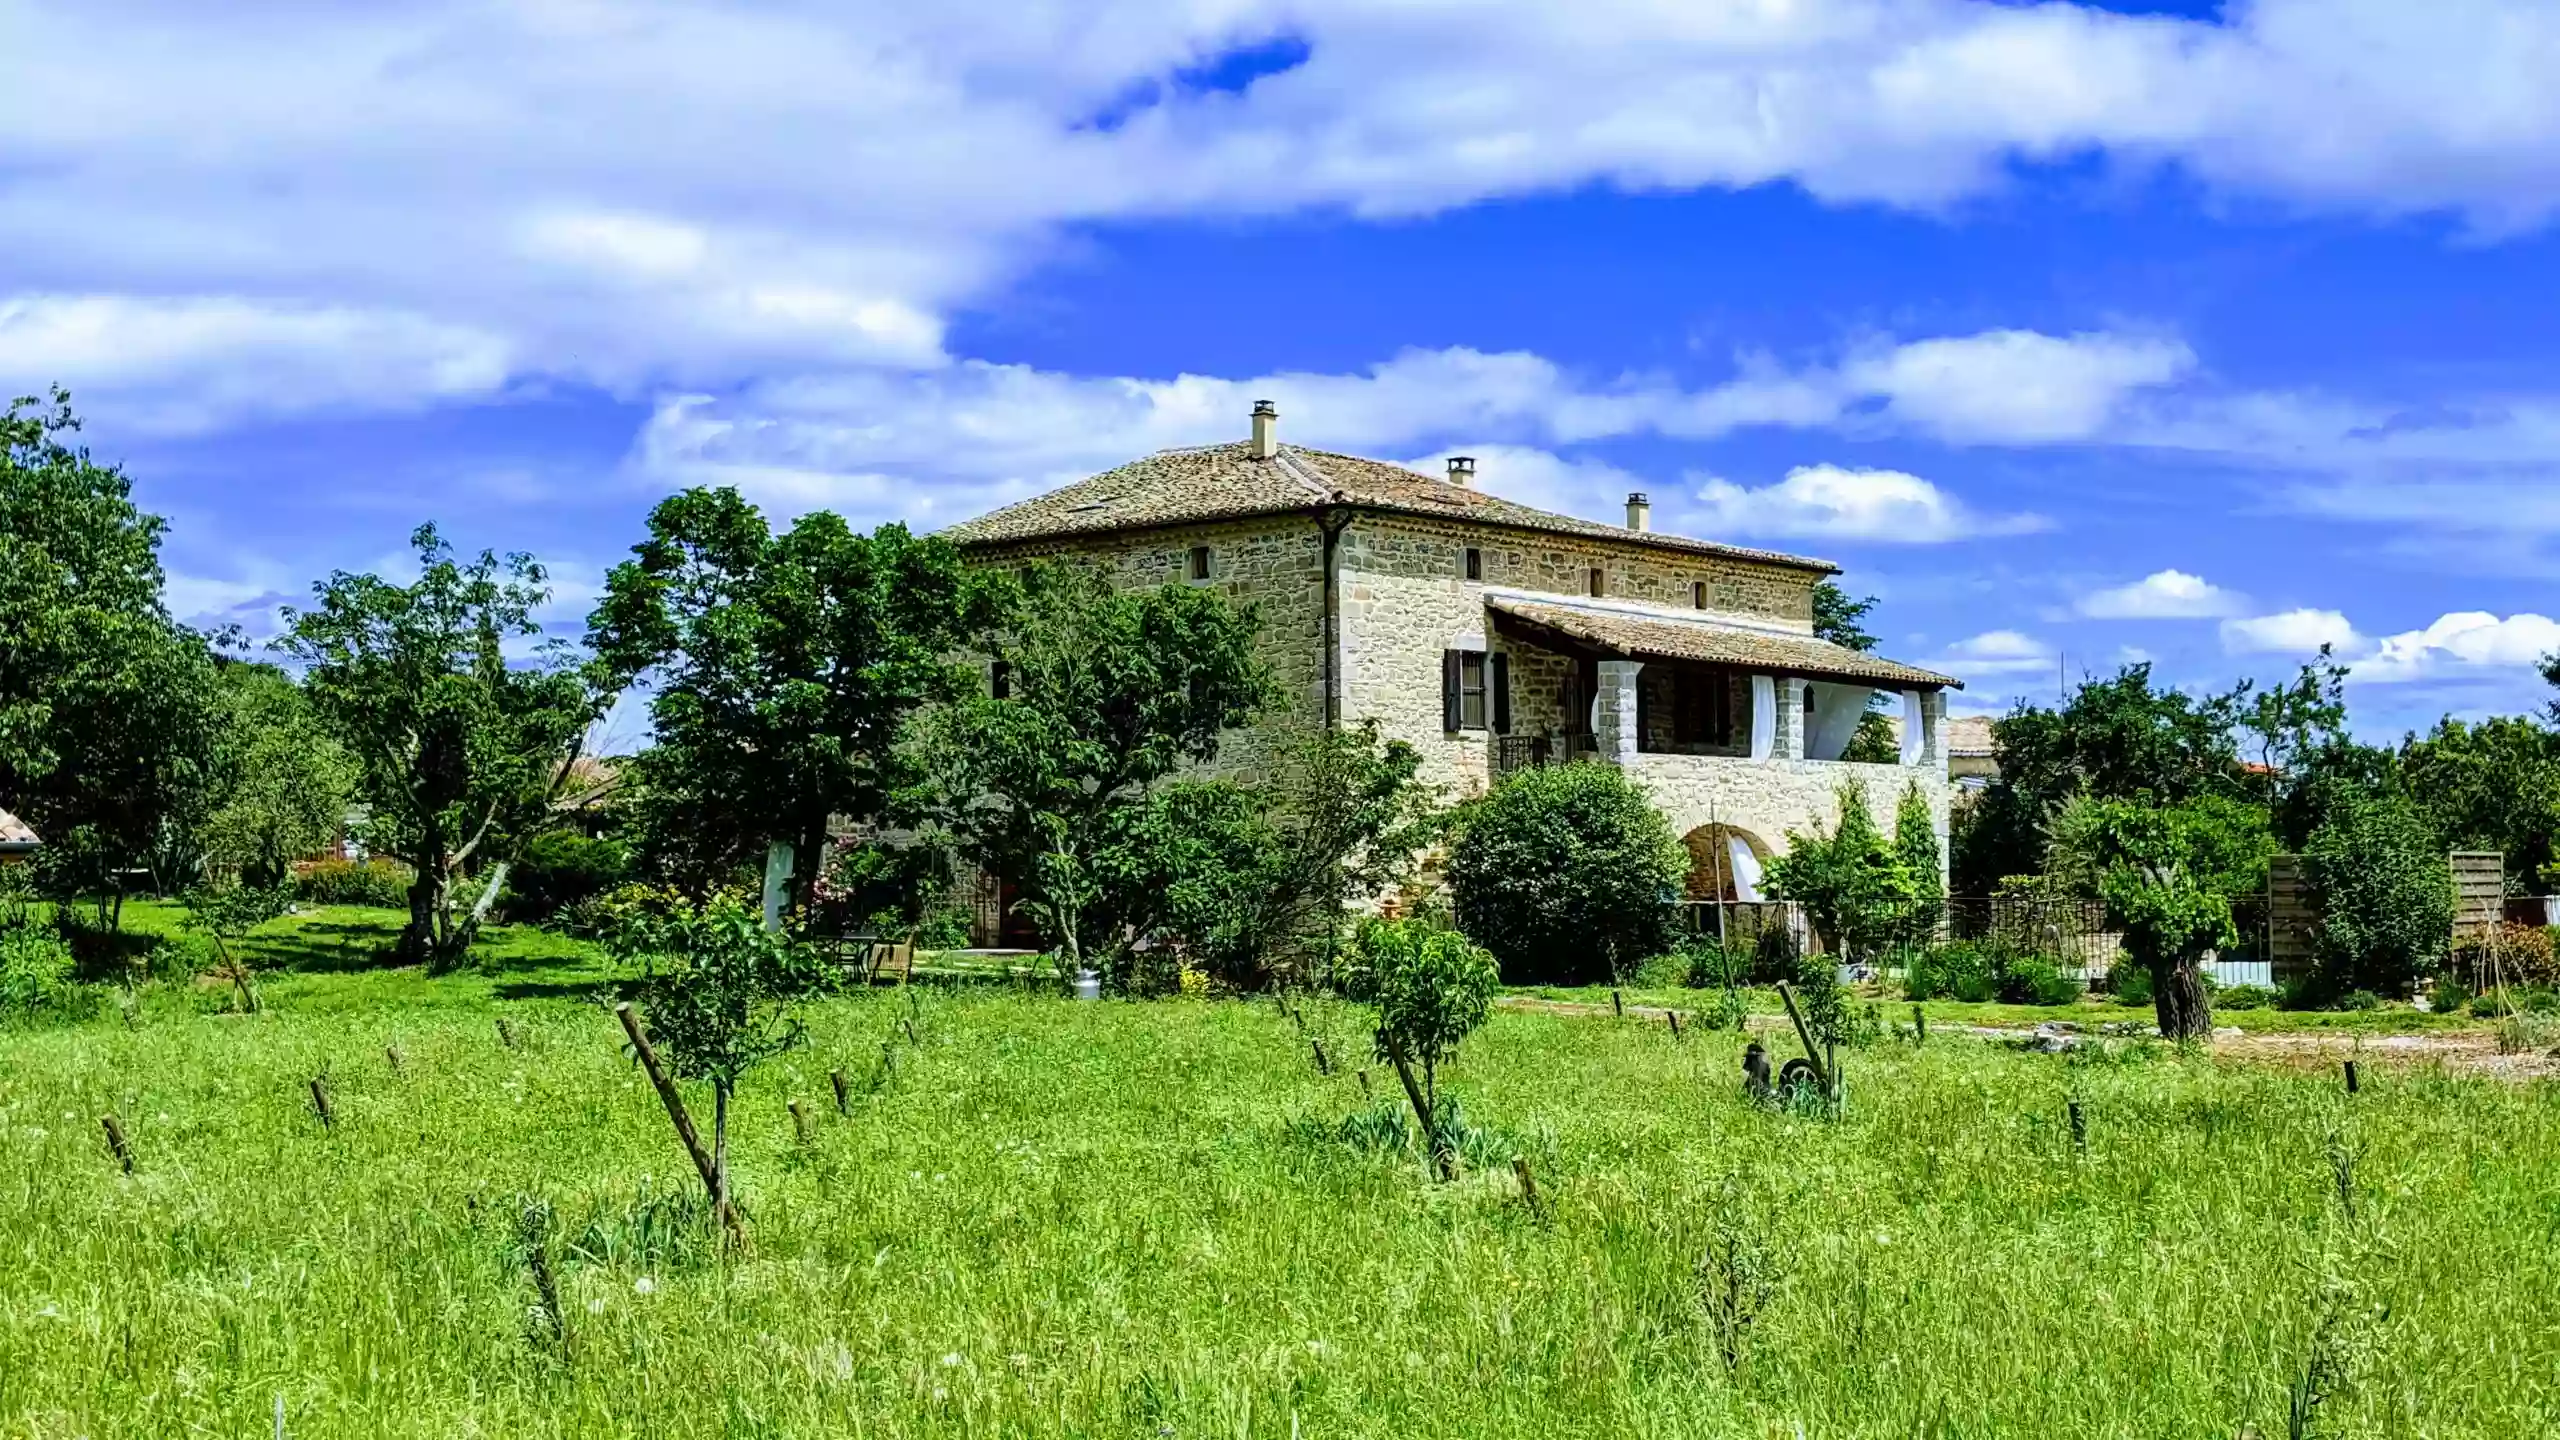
{"x": 2385, "y": 896}
{"x": 562, "y": 868}
{"x": 2027, "y": 978}
{"x": 1705, "y": 964}
{"x": 1854, "y": 886}
{"x": 36, "y": 979}
{"x": 2244, "y": 997}
{"x": 2518, "y": 954}
{"x": 1960, "y": 971}
{"x": 1568, "y": 875}
{"x": 380, "y": 883}
{"x": 2130, "y": 983}
{"x": 1431, "y": 987}
{"x": 2449, "y": 996}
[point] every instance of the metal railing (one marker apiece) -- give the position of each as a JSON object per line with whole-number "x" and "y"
{"x": 1523, "y": 752}
{"x": 2073, "y": 934}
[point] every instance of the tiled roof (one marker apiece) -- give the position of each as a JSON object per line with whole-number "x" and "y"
{"x": 1227, "y": 482}
{"x": 1703, "y": 640}
{"x": 14, "y": 831}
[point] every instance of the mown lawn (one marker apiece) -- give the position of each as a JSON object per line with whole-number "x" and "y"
{"x": 1129, "y": 1219}
{"x": 2090, "y": 1012}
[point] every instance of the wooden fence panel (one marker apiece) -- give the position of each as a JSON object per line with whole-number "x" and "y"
{"x": 2293, "y": 918}
{"x": 2479, "y": 890}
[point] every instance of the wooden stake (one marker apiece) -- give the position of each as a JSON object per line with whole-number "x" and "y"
{"x": 115, "y": 1142}
{"x": 844, "y": 1103}
{"x": 1618, "y": 1003}
{"x": 2079, "y": 1127}
{"x": 2351, "y": 1077}
{"x": 911, "y": 1032}
{"x": 392, "y": 1054}
{"x": 1323, "y": 1065}
{"x": 320, "y": 1104}
{"x": 1364, "y": 1084}
{"x": 1674, "y": 1017}
{"x": 799, "y": 1122}
{"x": 681, "y": 1118}
{"x": 1812, "y": 1055}
{"x": 506, "y": 1033}
{"x": 1920, "y": 1024}
{"x": 1447, "y": 1162}
{"x": 1528, "y": 1185}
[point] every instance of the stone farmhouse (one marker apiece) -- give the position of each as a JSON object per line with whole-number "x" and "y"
{"x": 1493, "y": 636}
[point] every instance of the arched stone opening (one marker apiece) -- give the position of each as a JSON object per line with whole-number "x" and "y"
{"x": 1725, "y": 863}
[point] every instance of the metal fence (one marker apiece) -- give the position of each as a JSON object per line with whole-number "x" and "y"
{"x": 1523, "y": 752}
{"x": 2073, "y": 934}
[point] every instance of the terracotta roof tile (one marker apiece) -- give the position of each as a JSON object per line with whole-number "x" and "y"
{"x": 1226, "y": 482}
{"x": 1703, "y": 640}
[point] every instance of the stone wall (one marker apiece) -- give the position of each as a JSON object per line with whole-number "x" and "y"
{"x": 1769, "y": 798}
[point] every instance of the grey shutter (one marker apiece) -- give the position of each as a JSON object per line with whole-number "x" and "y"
{"x": 1501, "y": 694}
{"x": 1449, "y": 715}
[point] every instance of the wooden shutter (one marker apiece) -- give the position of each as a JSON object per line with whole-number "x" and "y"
{"x": 1449, "y": 715}
{"x": 1501, "y": 693}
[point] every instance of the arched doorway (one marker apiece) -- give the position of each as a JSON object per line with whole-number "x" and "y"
{"x": 1725, "y": 863}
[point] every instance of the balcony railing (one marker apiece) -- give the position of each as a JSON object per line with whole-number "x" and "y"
{"x": 1523, "y": 752}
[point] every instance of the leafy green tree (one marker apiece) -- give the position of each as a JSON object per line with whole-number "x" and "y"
{"x": 1352, "y": 819}
{"x": 2494, "y": 785}
{"x": 1915, "y": 843}
{"x": 226, "y": 914}
{"x": 1186, "y": 874}
{"x": 460, "y": 753}
{"x": 722, "y": 995}
{"x": 784, "y": 667}
{"x": 2161, "y": 871}
{"x": 1108, "y": 693}
{"x": 281, "y": 783}
{"x": 2385, "y": 896}
{"x": 2115, "y": 739}
{"x": 107, "y": 720}
{"x": 1432, "y": 987}
{"x": 1568, "y": 874}
{"x": 1840, "y": 619}
{"x": 1857, "y": 890}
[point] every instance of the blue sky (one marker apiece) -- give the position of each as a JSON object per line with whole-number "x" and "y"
{"x": 2191, "y": 332}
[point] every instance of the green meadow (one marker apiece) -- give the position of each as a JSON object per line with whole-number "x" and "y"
{"x": 1038, "y": 1217}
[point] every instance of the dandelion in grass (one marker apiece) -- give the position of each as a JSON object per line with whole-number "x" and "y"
{"x": 950, "y": 1358}
{"x": 644, "y": 1286}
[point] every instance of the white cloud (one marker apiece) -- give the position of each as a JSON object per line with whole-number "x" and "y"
{"x": 2470, "y": 640}
{"x": 2291, "y": 632}
{"x": 1829, "y": 502}
{"x": 2162, "y": 595}
{"x": 690, "y": 193}
{"x": 1996, "y": 652}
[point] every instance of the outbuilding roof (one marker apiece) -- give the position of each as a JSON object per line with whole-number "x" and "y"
{"x": 16, "y": 834}
{"x": 1634, "y": 633}
{"x": 1228, "y": 482}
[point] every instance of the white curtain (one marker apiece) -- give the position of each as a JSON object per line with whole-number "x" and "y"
{"x": 1746, "y": 868}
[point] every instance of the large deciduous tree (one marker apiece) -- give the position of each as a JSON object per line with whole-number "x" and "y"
{"x": 2493, "y": 785}
{"x": 783, "y": 666}
{"x": 107, "y": 718}
{"x": 1107, "y": 693}
{"x": 461, "y": 753}
{"x": 281, "y": 782}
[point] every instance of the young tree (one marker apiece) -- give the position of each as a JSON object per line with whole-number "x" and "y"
{"x": 1433, "y": 987}
{"x": 784, "y": 667}
{"x": 2385, "y": 895}
{"x": 106, "y": 708}
{"x": 2167, "y": 874}
{"x": 1857, "y": 890}
{"x": 460, "y": 753}
{"x": 1107, "y": 693}
{"x": 1352, "y": 818}
{"x": 721, "y": 993}
{"x": 1568, "y": 874}
{"x": 225, "y": 915}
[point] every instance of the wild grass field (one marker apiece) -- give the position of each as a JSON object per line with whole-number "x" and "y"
{"x": 1151, "y": 1219}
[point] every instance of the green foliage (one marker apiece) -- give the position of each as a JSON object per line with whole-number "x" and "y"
{"x": 2494, "y": 785}
{"x": 280, "y": 783}
{"x": 722, "y": 993}
{"x": 559, "y": 868}
{"x": 2244, "y": 997}
{"x": 107, "y": 712}
{"x": 1873, "y": 742}
{"x": 2218, "y": 843}
{"x": 1706, "y": 965}
{"x": 1186, "y": 869}
{"x": 2162, "y": 871}
{"x": 2116, "y": 739}
{"x": 1915, "y": 843}
{"x": 1108, "y": 693}
{"x": 2385, "y": 896}
{"x": 348, "y": 882}
{"x": 1840, "y": 619}
{"x": 784, "y": 668}
{"x": 1432, "y": 987}
{"x": 1352, "y": 817}
{"x": 1856, "y": 889}
{"x": 1825, "y": 1002}
{"x": 460, "y": 753}
{"x": 38, "y": 984}
{"x": 881, "y": 887}
{"x": 1958, "y": 971}
{"x": 1568, "y": 874}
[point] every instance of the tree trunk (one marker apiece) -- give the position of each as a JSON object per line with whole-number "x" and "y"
{"x": 2178, "y": 999}
{"x": 777, "y": 881}
{"x": 417, "y": 941}
{"x": 720, "y": 1157}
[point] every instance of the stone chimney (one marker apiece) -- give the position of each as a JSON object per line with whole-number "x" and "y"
{"x": 1266, "y": 429}
{"x": 1639, "y": 512}
{"x": 1462, "y": 469}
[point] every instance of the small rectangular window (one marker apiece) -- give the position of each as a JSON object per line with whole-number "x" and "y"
{"x": 1697, "y": 594}
{"x": 1463, "y": 690}
{"x": 1475, "y": 563}
{"x": 1199, "y": 562}
{"x": 1599, "y": 581}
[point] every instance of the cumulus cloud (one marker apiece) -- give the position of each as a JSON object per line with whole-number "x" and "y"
{"x": 2162, "y": 595}
{"x": 2291, "y": 632}
{"x": 1832, "y": 503}
{"x": 2471, "y": 640}
{"x": 1996, "y": 652}
{"x": 688, "y": 193}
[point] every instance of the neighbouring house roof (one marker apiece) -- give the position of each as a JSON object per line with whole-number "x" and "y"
{"x": 1968, "y": 736}
{"x": 1672, "y": 638}
{"x": 16, "y": 836}
{"x": 1228, "y": 482}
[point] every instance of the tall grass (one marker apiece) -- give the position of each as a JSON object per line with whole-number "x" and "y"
{"x": 1142, "y": 1220}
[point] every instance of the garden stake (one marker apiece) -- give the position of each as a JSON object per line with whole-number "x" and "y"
{"x": 392, "y": 1054}
{"x": 2351, "y": 1077}
{"x": 2079, "y": 1128}
{"x": 667, "y": 1095}
{"x": 320, "y": 1103}
{"x": 1920, "y": 1024}
{"x": 844, "y": 1106}
{"x": 115, "y": 1142}
{"x": 506, "y": 1033}
{"x": 1440, "y": 1153}
{"x": 1674, "y": 1017}
{"x": 799, "y": 1122}
{"x": 1618, "y": 1002}
{"x": 1528, "y": 1186}
{"x": 1323, "y": 1066}
{"x": 1364, "y": 1084}
{"x": 911, "y": 1032}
